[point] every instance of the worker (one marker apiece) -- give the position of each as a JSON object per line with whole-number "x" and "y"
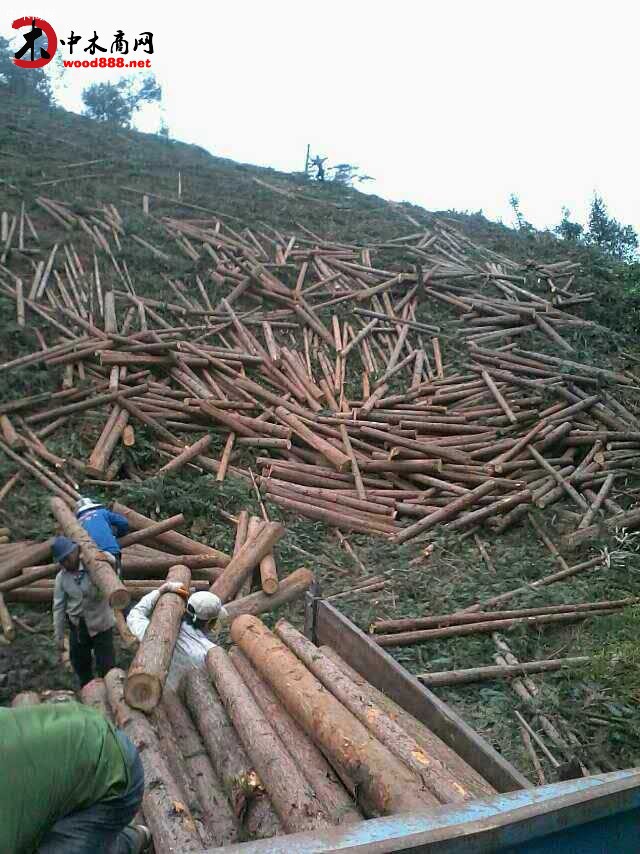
{"x": 79, "y": 603}
{"x": 104, "y": 527}
{"x": 192, "y": 644}
{"x": 71, "y": 783}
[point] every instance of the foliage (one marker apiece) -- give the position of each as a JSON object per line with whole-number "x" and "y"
{"x": 344, "y": 174}
{"x": 612, "y": 237}
{"x": 568, "y": 230}
{"x": 117, "y": 102}
{"x": 520, "y": 222}
{"x": 28, "y": 84}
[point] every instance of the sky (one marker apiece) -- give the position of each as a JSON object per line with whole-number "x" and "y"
{"x": 451, "y": 105}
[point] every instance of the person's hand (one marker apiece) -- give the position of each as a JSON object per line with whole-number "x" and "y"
{"x": 173, "y": 587}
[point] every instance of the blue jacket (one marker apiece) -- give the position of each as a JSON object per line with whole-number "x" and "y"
{"x": 100, "y": 524}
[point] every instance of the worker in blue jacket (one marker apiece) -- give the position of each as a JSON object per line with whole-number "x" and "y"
{"x": 104, "y": 527}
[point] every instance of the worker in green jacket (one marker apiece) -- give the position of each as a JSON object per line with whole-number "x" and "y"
{"x": 70, "y": 783}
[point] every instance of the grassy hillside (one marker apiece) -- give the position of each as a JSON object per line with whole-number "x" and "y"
{"x": 86, "y": 165}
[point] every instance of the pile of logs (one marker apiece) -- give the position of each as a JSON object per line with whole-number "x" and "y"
{"x": 247, "y": 581}
{"x": 359, "y": 419}
{"x": 274, "y": 737}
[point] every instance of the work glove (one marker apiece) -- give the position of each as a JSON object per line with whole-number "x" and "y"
{"x": 173, "y": 587}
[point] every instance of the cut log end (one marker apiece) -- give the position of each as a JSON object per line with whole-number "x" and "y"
{"x": 143, "y": 691}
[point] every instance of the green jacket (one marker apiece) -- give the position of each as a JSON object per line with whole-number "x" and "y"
{"x": 56, "y": 759}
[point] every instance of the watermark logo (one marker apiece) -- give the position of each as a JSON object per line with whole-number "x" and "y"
{"x": 35, "y": 57}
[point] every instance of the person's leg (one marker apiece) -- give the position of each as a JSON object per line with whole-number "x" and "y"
{"x": 102, "y": 828}
{"x": 104, "y": 652}
{"x": 80, "y": 652}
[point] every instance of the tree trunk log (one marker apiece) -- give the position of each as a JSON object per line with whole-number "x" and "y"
{"x": 291, "y": 795}
{"x": 152, "y": 531}
{"x": 333, "y": 796}
{"x": 445, "y": 513}
{"x": 434, "y": 776}
{"x": 481, "y": 674}
{"x": 26, "y": 698}
{"x": 148, "y": 671}
{"x": 170, "y": 822}
{"x": 384, "y": 785}
{"x": 6, "y": 622}
{"x": 171, "y": 540}
{"x": 216, "y": 813}
{"x": 29, "y": 555}
{"x": 429, "y": 742}
{"x": 291, "y": 587}
{"x": 251, "y": 806}
{"x": 249, "y": 556}
{"x": 94, "y": 694}
{"x": 101, "y": 571}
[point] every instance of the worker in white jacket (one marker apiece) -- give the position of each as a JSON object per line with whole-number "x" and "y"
{"x": 192, "y": 644}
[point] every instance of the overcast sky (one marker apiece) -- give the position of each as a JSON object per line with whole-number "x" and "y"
{"x": 447, "y": 105}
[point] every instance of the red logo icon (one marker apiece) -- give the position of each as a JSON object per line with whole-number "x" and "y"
{"x": 39, "y": 27}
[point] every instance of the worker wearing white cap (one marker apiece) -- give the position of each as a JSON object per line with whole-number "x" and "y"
{"x": 192, "y": 644}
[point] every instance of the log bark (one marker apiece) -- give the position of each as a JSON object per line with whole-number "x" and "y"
{"x": 105, "y": 446}
{"x": 445, "y": 513}
{"x": 29, "y": 555}
{"x": 94, "y": 694}
{"x": 341, "y": 462}
{"x": 26, "y": 698}
{"x": 249, "y": 803}
{"x": 431, "y": 743}
{"x": 148, "y": 671}
{"x": 172, "y": 540}
{"x": 152, "y": 531}
{"x": 101, "y": 572}
{"x": 292, "y": 797}
{"x": 171, "y": 823}
{"x": 216, "y": 813}
{"x": 629, "y": 519}
{"x": 188, "y": 454}
{"x": 9, "y": 630}
{"x": 409, "y": 638}
{"x": 482, "y": 674}
{"x": 431, "y": 774}
{"x": 248, "y": 557}
{"x": 292, "y": 587}
{"x": 383, "y": 783}
{"x": 320, "y": 775}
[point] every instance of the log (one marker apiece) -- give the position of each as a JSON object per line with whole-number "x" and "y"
{"x": 430, "y": 773}
{"x": 29, "y": 576}
{"x": 188, "y": 454}
{"x": 26, "y": 698}
{"x": 292, "y": 797}
{"x": 170, "y": 821}
{"x": 630, "y": 519}
{"x": 430, "y": 743}
{"x": 148, "y": 671}
{"x": 333, "y": 796}
{"x": 461, "y": 618}
{"x": 340, "y": 461}
{"x": 94, "y": 694}
{"x": 292, "y": 587}
{"x": 152, "y": 531}
{"x": 409, "y": 638}
{"x": 249, "y": 803}
{"x": 383, "y": 784}
{"x": 6, "y": 622}
{"x": 597, "y": 503}
{"x": 9, "y": 434}
{"x": 26, "y": 556}
{"x": 101, "y": 571}
{"x": 482, "y": 674}
{"x": 171, "y": 540}
{"x": 217, "y": 817}
{"x": 249, "y": 556}
{"x": 333, "y": 517}
{"x": 269, "y": 575}
{"x": 113, "y": 430}
{"x": 445, "y": 513}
